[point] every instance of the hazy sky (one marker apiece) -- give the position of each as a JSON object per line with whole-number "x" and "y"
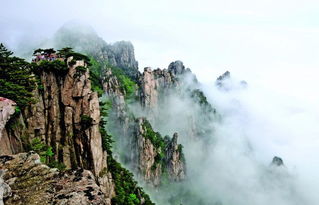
{"x": 208, "y": 36}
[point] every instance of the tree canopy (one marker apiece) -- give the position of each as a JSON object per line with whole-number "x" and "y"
{"x": 16, "y": 79}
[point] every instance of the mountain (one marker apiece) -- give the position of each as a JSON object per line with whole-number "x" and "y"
{"x": 84, "y": 39}
{"x": 81, "y": 124}
{"x": 63, "y": 124}
{"x": 70, "y": 126}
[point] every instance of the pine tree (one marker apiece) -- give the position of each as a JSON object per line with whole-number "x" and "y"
{"x": 16, "y": 79}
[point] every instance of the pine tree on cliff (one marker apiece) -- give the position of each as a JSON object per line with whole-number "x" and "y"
{"x": 16, "y": 80}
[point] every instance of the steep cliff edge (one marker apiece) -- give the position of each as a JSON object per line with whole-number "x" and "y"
{"x": 63, "y": 125}
{"x": 146, "y": 149}
{"x": 158, "y": 157}
{"x": 66, "y": 117}
{"x": 162, "y": 89}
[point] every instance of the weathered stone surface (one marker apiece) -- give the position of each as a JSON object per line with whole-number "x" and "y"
{"x": 175, "y": 160}
{"x": 9, "y": 142}
{"x": 119, "y": 54}
{"x": 226, "y": 83}
{"x": 145, "y": 160}
{"x": 32, "y": 182}
{"x": 7, "y": 108}
{"x": 5, "y": 190}
{"x": 277, "y": 161}
{"x": 176, "y": 67}
{"x": 154, "y": 84}
{"x": 56, "y": 118}
{"x": 146, "y": 156}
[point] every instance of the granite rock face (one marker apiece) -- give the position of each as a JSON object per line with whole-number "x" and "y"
{"x": 152, "y": 159}
{"x": 141, "y": 151}
{"x": 65, "y": 117}
{"x": 175, "y": 160}
{"x": 32, "y": 182}
{"x": 8, "y": 142}
{"x": 153, "y": 84}
{"x": 176, "y": 68}
{"x": 5, "y": 190}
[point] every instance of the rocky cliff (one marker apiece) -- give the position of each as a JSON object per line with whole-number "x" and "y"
{"x": 157, "y": 155}
{"x": 9, "y": 143}
{"x": 84, "y": 39}
{"x": 65, "y": 117}
{"x": 63, "y": 125}
{"x": 162, "y": 89}
{"x": 146, "y": 148}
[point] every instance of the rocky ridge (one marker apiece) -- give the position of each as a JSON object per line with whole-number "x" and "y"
{"x": 144, "y": 153}
{"x": 25, "y": 180}
{"x": 84, "y": 39}
{"x": 64, "y": 125}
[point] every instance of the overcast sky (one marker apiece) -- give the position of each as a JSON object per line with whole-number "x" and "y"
{"x": 208, "y": 36}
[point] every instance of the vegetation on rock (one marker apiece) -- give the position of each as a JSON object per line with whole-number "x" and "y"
{"x": 45, "y": 152}
{"x": 57, "y": 66}
{"x": 198, "y": 96}
{"x": 16, "y": 80}
{"x": 86, "y": 121}
{"x": 127, "y": 191}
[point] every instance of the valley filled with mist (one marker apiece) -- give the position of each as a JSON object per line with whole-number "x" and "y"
{"x": 203, "y": 110}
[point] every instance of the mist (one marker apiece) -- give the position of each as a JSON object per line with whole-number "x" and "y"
{"x": 274, "y": 46}
{"x": 232, "y": 163}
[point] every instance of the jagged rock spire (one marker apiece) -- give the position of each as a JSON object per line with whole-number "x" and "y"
{"x": 277, "y": 161}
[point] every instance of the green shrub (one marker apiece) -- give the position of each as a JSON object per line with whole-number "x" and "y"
{"x": 55, "y": 164}
{"x": 78, "y": 56}
{"x": 86, "y": 121}
{"x": 126, "y": 188}
{"x": 46, "y": 154}
{"x": 181, "y": 153}
{"x": 127, "y": 85}
{"x": 57, "y": 66}
{"x": 71, "y": 63}
{"x": 80, "y": 70}
{"x": 65, "y": 51}
{"x": 156, "y": 139}
{"x": 42, "y": 149}
{"x": 198, "y": 96}
{"x": 95, "y": 73}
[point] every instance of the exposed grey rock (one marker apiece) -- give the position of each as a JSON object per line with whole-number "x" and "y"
{"x": 9, "y": 143}
{"x": 56, "y": 119}
{"x": 84, "y": 39}
{"x": 148, "y": 160}
{"x": 176, "y": 67}
{"x": 35, "y": 183}
{"x": 277, "y": 161}
{"x": 175, "y": 159}
{"x": 226, "y": 83}
{"x": 124, "y": 54}
{"x": 5, "y": 190}
{"x": 220, "y": 82}
{"x": 154, "y": 83}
